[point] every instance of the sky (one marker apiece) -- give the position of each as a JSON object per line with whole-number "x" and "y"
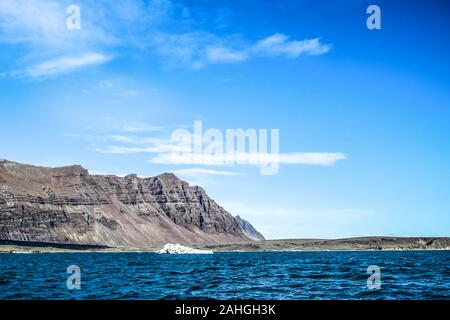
{"x": 363, "y": 114}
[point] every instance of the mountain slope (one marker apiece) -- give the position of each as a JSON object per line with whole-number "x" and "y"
{"x": 248, "y": 229}
{"x": 68, "y": 205}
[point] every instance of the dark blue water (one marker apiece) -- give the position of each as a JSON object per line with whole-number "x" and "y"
{"x": 300, "y": 275}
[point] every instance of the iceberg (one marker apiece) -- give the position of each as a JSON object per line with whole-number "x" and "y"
{"x": 179, "y": 249}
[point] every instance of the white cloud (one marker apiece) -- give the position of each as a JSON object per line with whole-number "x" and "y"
{"x": 186, "y": 50}
{"x": 224, "y": 55}
{"x": 133, "y": 126}
{"x": 257, "y": 158}
{"x": 196, "y": 50}
{"x": 169, "y": 152}
{"x": 124, "y": 139}
{"x": 40, "y": 27}
{"x": 31, "y": 21}
{"x": 64, "y": 65}
{"x": 316, "y": 158}
{"x": 134, "y": 145}
{"x": 130, "y": 130}
{"x": 125, "y": 150}
{"x": 280, "y": 45}
{"x": 199, "y": 172}
{"x": 154, "y": 142}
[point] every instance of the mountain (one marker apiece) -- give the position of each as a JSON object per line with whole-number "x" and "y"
{"x": 248, "y": 229}
{"x": 68, "y": 205}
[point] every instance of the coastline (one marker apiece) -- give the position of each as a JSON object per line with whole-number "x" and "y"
{"x": 286, "y": 245}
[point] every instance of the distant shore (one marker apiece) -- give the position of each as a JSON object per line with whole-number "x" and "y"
{"x": 290, "y": 245}
{"x": 347, "y": 244}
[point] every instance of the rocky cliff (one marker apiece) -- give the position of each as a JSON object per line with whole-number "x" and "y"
{"x": 248, "y": 229}
{"x": 68, "y": 205}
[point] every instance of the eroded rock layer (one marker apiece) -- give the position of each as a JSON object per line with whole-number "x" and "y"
{"x": 68, "y": 205}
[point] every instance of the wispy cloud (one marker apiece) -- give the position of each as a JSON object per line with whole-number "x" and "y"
{"x": 163, "y": 26}
{"x": 131, "y": 131}
{"x": 147, "y": 141}
{"x": 280, "y": 45}
{"x": 225, "y": 55}
{"x": 172, "y": 152}
{"x": 39, "y": 28}
{"x": 256, "y": 158}
{"x": 199, "y": 49}
{"x": 169, "y": 152}
{"x": 63, "y": 65}
{"x": 199, "y": 172}
{"x": 313, "y": 158}
{"x": 40, "y": 25}
{"x": 135, "y": 145}
{"x": 126, "y": 150}
{"x": 161, "y": 148}
{"x": 134, "y": 126}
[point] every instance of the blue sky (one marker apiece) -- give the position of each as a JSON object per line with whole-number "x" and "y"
{"x": 109, "y": 95}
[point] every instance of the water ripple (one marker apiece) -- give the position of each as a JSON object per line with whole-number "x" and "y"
{"x": 298, "y": 275}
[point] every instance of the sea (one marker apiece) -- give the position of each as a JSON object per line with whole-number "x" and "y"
{"x": 358, "y": 275}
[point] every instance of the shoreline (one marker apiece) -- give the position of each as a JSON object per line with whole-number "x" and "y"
{"x": 279, "y": 251}
{"x": 286, "y": 245}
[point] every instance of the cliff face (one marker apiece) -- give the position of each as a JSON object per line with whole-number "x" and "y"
{"x": 248, "y": 229}
{"x": 68, "y": 205}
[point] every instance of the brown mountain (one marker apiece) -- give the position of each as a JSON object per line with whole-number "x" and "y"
{"x": 68, "y": 205}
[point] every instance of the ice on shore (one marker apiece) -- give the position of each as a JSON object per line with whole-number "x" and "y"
{"x": 178, "y": 249}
